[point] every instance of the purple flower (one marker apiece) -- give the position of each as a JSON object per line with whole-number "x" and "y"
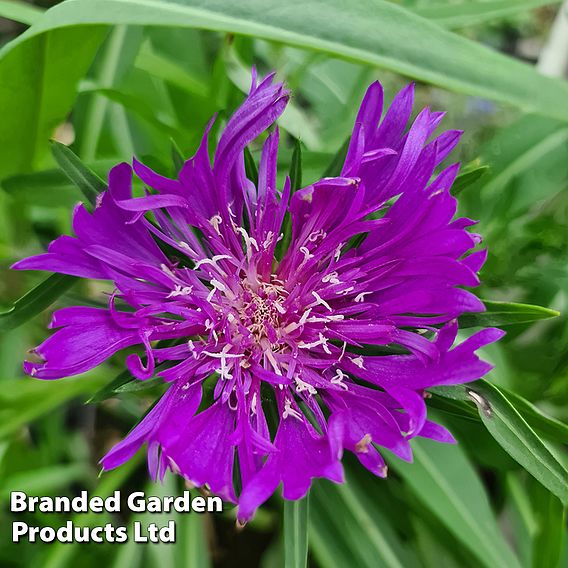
{"x": 328, "y": 348}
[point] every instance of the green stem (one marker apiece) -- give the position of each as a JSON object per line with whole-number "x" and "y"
{"x": 296, "y": 533}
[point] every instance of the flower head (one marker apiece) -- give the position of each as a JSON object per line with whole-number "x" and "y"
{"x": 324, "y": 348}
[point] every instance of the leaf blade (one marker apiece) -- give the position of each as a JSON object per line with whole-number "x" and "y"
{"x": 36, "y": 300}
{"x": 90, "y": 184}
{"x": 501, "y": 314}
{"x": 518, "y": 439}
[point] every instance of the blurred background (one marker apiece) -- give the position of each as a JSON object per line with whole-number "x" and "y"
{"x": 141, "y": 88}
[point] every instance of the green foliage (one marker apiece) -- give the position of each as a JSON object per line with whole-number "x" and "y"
{"x": 107, "y": 79}
{"x": 296, "y": 532}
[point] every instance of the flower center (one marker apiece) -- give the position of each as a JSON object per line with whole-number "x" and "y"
{"x": 259, "y": 309}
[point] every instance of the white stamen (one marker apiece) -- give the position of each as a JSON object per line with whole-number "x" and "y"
{"x": 167, "y": 270}
{"x": 219, "y": 285}
{"x": 338, "y": 252}
{"x": 269, "y": 239}
{"x": 180, "y": 291}
{"x": 305, "y": 316}
{"x": 307, "y": 254}
{"x": 253, "y": 404}
{"x": 324, "y": 343}
{"x": 191, "y": 347}
{"x": 279, "y": 308}
{"x": 436, "y": 193}
{"x": 249, "y": 241}
{"x": 301, "y": 386}
{"x": 358, "y": 361}
{"x": 212, "y": 261}
{"x": 289, "y": 411}
{"x": 338, "y": 379}
{"x": 224, "y": 354}
{"x": 185, "y": 246}
{"x": 326, "y": 319}
{"x": 270, "y": 356}
{"x": 321, "y": 341}
{"x": 315, "y": 235}
{"x": 211, "y": 294}
{"x": 361, "y": 297}
{"x": 215, "y": 221}
{"x": 319, "y": 300}
{"x": 332, "y": 278}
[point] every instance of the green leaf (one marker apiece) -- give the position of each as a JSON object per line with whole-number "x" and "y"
{"x": 116, "y": 58}
{"x": 36, "y": 300}
{"x": 43, "y": 480}
{"x": 456, "y": 401}
{"x": 250, "y": 166}
{"x": 334, "y": 168}
{"x": 550, "y": 518}
{"x": 90, "y": 184}
{"x": 20, "y": 12}
{"x": 295, "y": 174}
{"x": 472, "y": 13}
{"x": 135, "y": 105}
{"x": 59, "y": 553}
{"x": 369, "y": 31}
{"x": 549, "y": 428}
{"x": 25, "y": 400}
{"x": 459, "y": 408}
{"x": 50, "y": 188}
{"x": 296, "y": 166}
{"x": 518, "y": 439}
{"x": 38, "y": 85}
{"x": 177, "y": 157}
{"x": 296, "y": 532}
{"x": 501, "y": 314}
{"x": 444, "y": 480}
{"x": 352, "y": 513}
{"x": 468, "y": 177}
{"x": 169, "y": 71}
{"x": 513, "y": 152}
{"x": 123, "y": 383}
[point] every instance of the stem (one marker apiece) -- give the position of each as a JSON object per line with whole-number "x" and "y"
{"x": 296, "y": 533}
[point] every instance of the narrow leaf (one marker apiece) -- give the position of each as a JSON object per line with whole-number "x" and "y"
{"x": 20, "y": 12}
{"x": 124, "y": 382}
{"x": 445, "y": 481}
{"x": 296, "y": 166}
{"x": 82, "y": 176}
{"x": 250, "y": 166}
{"x": 36, "y": 300}
{"x": 468, "y": 178}
{"x": 550, "y": 518}
{"x": 295, "y": 175}
{"x": 472, "y": 13}
{"x": 506, "y": 313}
{"x": 368, "y": 31}
{"x": 518, "y": 439}
{"x": 456, "y": 401}
{"x": 177, "y": 157}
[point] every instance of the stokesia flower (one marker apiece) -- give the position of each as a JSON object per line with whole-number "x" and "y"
{"x": 325, "y": 347}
